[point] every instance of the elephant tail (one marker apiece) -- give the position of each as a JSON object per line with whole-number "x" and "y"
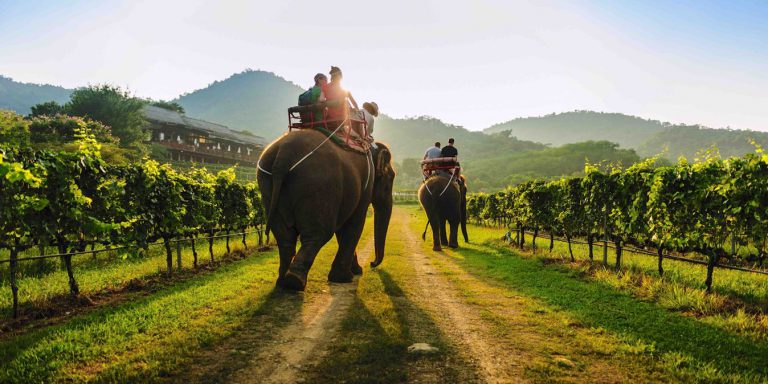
{"x": 278, "y": 174}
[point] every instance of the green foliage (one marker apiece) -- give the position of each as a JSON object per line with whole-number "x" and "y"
{"x": 58, "y": 129}
{"x": 169, "y": 105}
{"x": 515, "y": 167}
{"x": 111, "y": 106}
{"x": 49, "y": 108}
{"x": 14, "y": 130}
{"x": 72, "y": 198}
{"x": 685, "y": 207}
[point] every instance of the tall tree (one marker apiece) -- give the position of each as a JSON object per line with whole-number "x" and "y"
{"x": 49, "y": 108}
{"x": 112, "y": 106}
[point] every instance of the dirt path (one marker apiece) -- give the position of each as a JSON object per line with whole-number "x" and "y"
{"x": 302, "y": 343}
{"x": 460, "y": 322}
{"x": 504, "y": 333}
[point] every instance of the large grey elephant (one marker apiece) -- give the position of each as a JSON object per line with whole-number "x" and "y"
{"x": 445, "y": 200}
{"x": 312, "y": 189}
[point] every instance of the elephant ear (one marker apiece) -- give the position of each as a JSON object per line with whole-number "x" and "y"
{"x": 383, "y": 158}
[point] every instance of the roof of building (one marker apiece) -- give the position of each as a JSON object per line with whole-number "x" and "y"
{"x": 163, "y": 115}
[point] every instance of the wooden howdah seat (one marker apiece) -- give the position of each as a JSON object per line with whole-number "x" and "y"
{"x": 349, "y": 133}
{"x": 447, "y": 164}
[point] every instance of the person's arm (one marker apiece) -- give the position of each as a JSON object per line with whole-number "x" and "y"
{"x": 321, "y": 98}
{"x": 352, "y": 100}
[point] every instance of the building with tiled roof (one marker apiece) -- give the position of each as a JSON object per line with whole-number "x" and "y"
{"x": 200, "y": 141}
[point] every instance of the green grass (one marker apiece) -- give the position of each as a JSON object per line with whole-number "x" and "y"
{"x": 145, "y": 338}
{"x": 692, "y": 349}
{"x": 103, "y": 274}
{"x": 739, "y": 302}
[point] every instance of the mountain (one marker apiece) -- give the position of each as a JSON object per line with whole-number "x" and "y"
{"x": 255, "y": 101}
{"x": 20, "y": 97}
{"x": 577, "y": 126}
{"x": 647, "y": 137}
{"x": 410, "y": 138}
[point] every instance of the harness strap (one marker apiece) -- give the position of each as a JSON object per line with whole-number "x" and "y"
{"x": 318, "y": 146}
{"x": 258, "y": 165}
{"x": 447, "y": 185}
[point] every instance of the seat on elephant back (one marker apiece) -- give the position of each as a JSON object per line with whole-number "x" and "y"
{"x": 449, "y": 165}
{"x": 349, "y": 133}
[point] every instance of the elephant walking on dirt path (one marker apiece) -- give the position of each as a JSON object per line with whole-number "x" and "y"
{"x": 445, "y": 200}
{"x": 327, "y": 193}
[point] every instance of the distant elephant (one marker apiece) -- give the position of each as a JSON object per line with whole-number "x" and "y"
{"x": 443, "y": 199}
{"x": 312, "y": 189}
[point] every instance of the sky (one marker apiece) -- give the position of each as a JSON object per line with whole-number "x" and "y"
{"x": 470, "y": 63}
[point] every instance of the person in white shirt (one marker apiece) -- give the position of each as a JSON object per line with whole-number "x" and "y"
{"x": 370, "y": 110}
{"x": 432, "y": 152}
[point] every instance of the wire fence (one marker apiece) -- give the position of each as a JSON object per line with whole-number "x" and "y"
{"x": 126, "y": 247}
{"x": 635, "y": 250}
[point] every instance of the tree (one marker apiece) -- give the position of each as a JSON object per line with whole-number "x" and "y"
{"x": 169, "y": 105}
{"x": 14, "y": 130}
{"x": 49, "y": 108}
{"x": 112, "y": 106}
{"x": 63, "y": 129}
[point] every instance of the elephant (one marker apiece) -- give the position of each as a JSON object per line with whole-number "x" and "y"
{"x": 443, "y": 200}
{"x": 312, "y": 189}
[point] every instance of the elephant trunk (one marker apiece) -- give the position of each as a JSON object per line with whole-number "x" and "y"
{"x": 382, "y": 214}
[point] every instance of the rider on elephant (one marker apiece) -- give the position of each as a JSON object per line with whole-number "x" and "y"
{"x": 333, "y": 92}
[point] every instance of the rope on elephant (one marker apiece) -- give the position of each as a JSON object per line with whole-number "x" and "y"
{"x": 447, "y": 185}
{"x": 258, "y": 165}
{"x": 319, "y": 145}
{"x": 368, "y": 162}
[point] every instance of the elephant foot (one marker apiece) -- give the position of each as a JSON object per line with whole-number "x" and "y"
{"x": 437, "y": 248}
{"x": 357, "y": 270}
{"x": 337, "y": 276}
{"x": 375, "y": 264}
{"x": 453, "y": 245}
{"x": 293, "y": 281}
{"x": 444, "y": 243}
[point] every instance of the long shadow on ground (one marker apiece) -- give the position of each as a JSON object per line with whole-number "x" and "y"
{"x": 374, "y": 339}
{"x": 600, "y": 305}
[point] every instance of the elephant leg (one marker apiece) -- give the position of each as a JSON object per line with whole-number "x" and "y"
{"x": 434, "y": 222}
{"x": 357, "y": 269}
{"x": 454, "y": 239}
{"x": 348, "y": 237}
{"x": 296, "y": 277}
{"x": 286, "y": 243}
{"x": 443, "y": 232}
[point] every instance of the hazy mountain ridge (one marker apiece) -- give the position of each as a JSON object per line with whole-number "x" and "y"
{"x": 20, "y": 97}
{"x": 255, "y": 101}
{"x": 577, "y": 126}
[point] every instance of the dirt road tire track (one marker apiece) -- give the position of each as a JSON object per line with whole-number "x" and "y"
{"x": 460, "y": 322}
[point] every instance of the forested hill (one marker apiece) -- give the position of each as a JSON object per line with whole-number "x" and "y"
{"x": 255, "y": 101}
{"x": 409, "y": 138}
{"x": 20, "y": 97}
{"x": 647, "y": 137}
{"x": 572, "y": 127}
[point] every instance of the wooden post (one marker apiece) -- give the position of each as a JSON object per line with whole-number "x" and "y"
{"x": 14, "y": 287}
{"x": 178, "y": 252}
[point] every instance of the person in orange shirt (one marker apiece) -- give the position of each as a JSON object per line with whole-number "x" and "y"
{"x": 333, "y": 92}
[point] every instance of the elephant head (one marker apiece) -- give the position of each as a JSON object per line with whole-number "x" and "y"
{"x": 382, "y": 199}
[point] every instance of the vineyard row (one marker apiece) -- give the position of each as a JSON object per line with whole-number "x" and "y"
{"x": 72, "y": 199}
{"x": 715, "y": 207}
